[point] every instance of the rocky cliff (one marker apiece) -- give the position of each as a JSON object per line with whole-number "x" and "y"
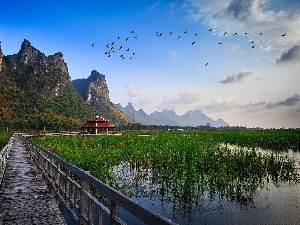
{"x": 1, "y": 56}
{"x": 36, "y": 92}
{"x": 32, "y": 70}
{"x": 93, "y": 89}
{"x": 95, "y": 92}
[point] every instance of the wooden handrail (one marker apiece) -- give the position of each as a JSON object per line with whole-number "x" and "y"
{"x": 75, "y": 195}
{"x": 4, "y": 154}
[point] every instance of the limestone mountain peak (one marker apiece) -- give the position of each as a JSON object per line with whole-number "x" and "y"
{"x": 93, "y": 89}
{"x": 95, "y": 92}
{"x": 30, "y": 68}
{"x": 1, "y": 55}
{"x": 25, "y": 44}
{"x": 36, "y": 91}
{"x": 95, "y": 76}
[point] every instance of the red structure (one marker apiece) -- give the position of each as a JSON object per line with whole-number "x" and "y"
{"x": 96, "y": 125}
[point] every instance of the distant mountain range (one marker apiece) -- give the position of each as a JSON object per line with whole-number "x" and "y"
{"x": 169, "y": 117}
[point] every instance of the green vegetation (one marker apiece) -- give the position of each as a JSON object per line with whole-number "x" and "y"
{"x": 29, "y": 104}
{"x": 183, "y": 167}
{"x": 4, "y": 138}
{"x": 266, "y": 139}
{"x": 36, "y": 93}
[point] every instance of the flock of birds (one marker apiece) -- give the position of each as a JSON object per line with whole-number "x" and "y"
{"x": 117, "y": 46}
{"x": 126, "y": 53}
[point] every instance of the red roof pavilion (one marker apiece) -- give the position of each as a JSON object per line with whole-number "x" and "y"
{"x": 97, "y": 124}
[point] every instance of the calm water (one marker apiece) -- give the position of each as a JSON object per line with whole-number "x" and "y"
{"x": 272, "y": 203}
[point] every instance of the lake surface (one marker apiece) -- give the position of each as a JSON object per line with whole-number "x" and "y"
{"x": 272, "y": 202}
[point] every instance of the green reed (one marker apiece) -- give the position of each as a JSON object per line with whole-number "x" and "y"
{"x": 183, "y": 167}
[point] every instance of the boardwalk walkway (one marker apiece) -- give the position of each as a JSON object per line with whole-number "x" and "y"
{"x": 24, "y": 197}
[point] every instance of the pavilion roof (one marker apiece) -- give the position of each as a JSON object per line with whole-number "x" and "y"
{"x": 98, "y": 122}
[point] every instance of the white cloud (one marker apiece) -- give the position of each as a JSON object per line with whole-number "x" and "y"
{"x": 251, "y": 16}
{"x": 172, "y": 55}
{"x": 291, "y": 101}
{"x": 266, "y": 49}
{"x": 133, "y": 91}
{"x": 241, "y": 76}
{"x": 186, "y": 98}
{"x": 232, "y": 48}
{"x": 291, "y": 56}
{"x": 181, "y": 101}
{"x": 154, "y": 5}
{"x": 264, "y": 114}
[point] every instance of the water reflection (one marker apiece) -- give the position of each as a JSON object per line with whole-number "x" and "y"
{"x": 209, "y": 181}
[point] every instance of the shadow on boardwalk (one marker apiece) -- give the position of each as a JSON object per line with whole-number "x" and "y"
{"x": 24, "y": 197}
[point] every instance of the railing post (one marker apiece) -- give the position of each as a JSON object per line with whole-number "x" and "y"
{"x": 100, "y": 217}
{"x": 113, "y": 212}
{"x": 67, "y": 188}
{"x": 83, "y": 202}
{"x": 56, "y": 180}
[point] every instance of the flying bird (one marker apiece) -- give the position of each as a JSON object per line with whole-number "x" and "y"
{"x": 119, "y": 37}
{"x": 220, "y": 42}
{"x": 235, "y": 33}
{"x": 261, "y": 33}
{"x": 253, "y": 46}
{"x": 185, "y": 32}
{"x": 127, "y": 49}
{"x": 92, "y": 44}
{"x": 246, "y": 33}
{"x": 196, "y": 34}
{"x": 135, "y": 37}
{"x": 171, "y": 33}
{"x": 120, "y": 47}
{"x": 132, "y": 32}
{"x": 126, "y": 39}
{"x": 225, "y": 33}
{"x": 252, "y": 41}
{"x": 206, "y": 64}
{"x": 178, "y": 37}
{"x": 210, "y": 30}
{"x": 283, "y": 34}
{"x": 193, "y": 43}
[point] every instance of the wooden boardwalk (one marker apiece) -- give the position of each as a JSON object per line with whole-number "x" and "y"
{"x": 24, "y": 196}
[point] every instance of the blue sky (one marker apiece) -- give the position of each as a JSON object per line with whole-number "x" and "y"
{"x": 245, "y": 86}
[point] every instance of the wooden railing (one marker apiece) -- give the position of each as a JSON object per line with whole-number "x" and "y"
{"x": 87, "y": 199}
{"x": 4, "y": 154}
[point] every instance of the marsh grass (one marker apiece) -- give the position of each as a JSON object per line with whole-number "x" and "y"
{"x": 183, "y": 168}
